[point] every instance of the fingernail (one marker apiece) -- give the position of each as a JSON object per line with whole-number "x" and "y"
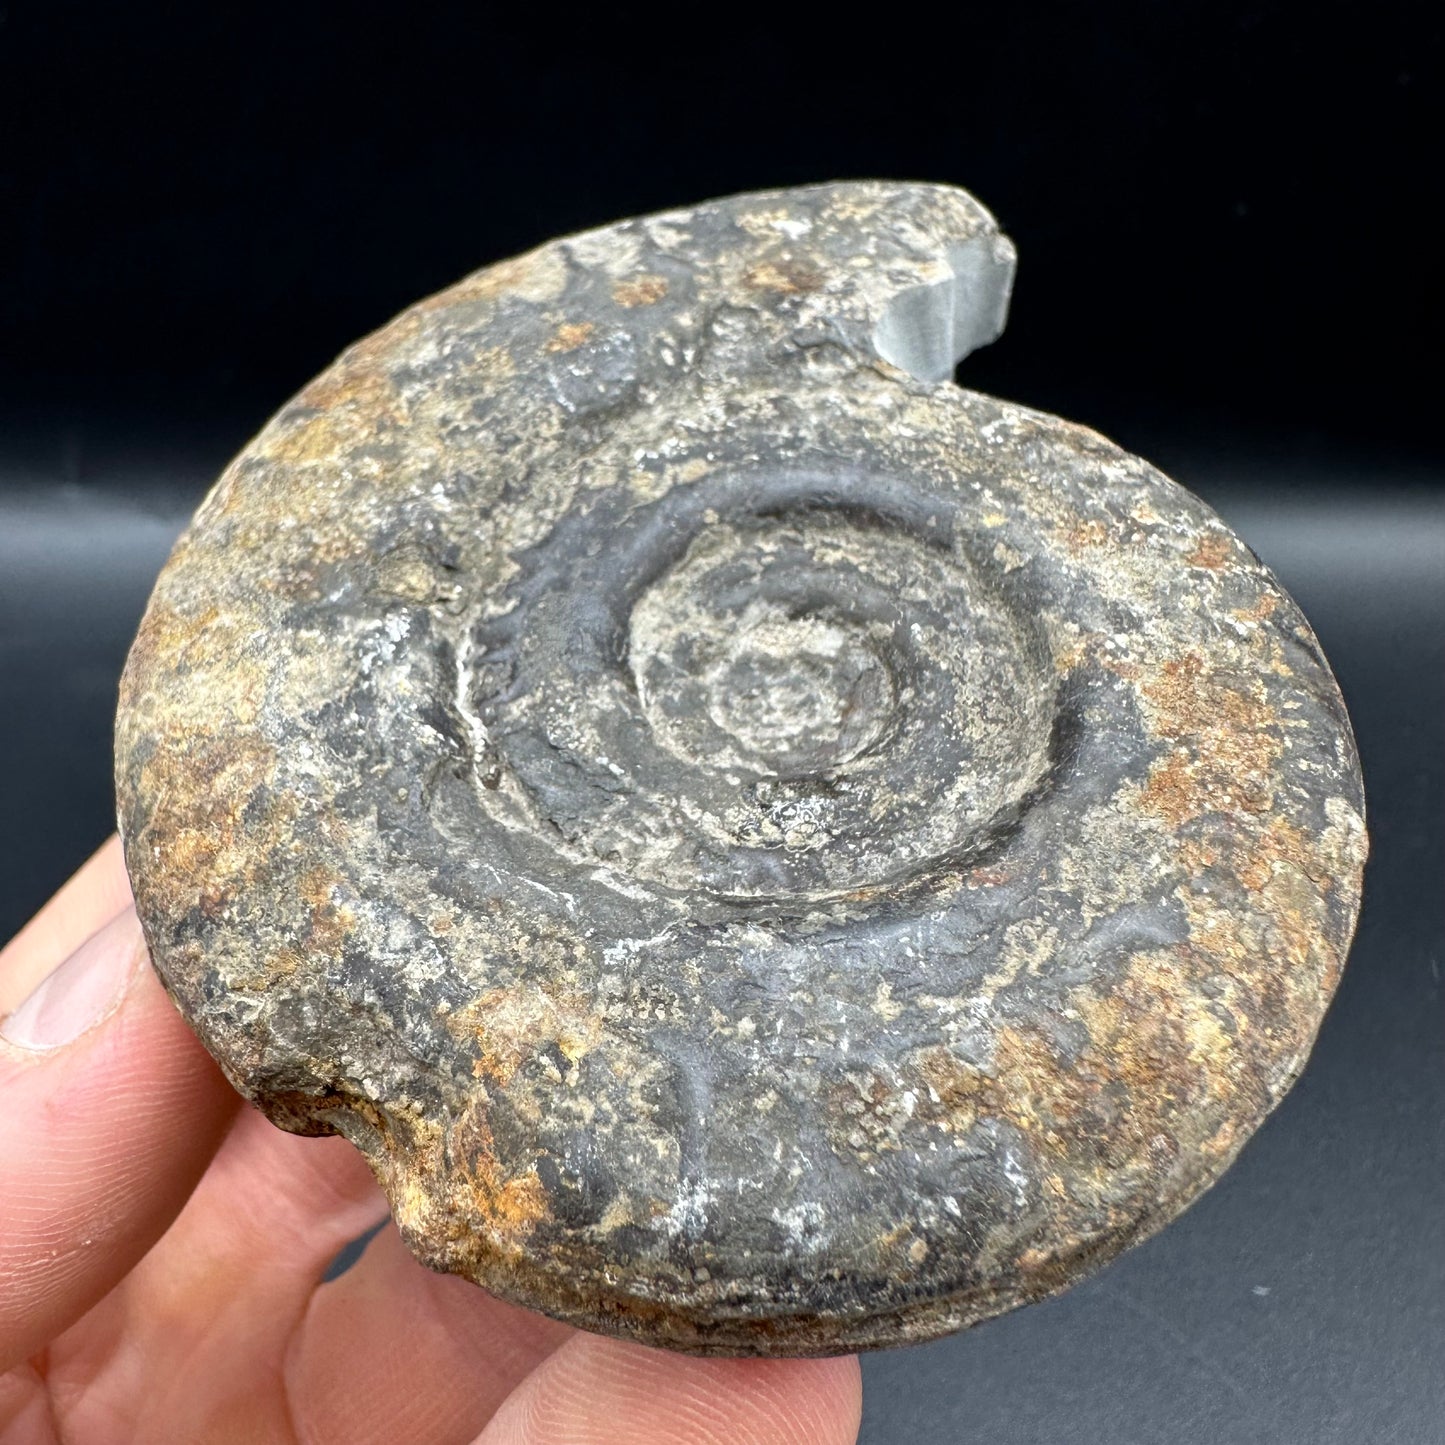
{"x": 82, "y": 991}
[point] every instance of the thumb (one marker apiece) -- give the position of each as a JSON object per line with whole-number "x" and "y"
{"x": 110, "y": 1111}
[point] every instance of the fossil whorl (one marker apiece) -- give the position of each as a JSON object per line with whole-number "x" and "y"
{"x": 766, "y": 851}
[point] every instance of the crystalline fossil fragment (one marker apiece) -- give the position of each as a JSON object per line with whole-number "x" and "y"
{"x": 766, "y": 851}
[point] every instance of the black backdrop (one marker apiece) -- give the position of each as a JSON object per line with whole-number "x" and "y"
{"x": 1229, "y": 221}
{"x": 1227, "y": 211}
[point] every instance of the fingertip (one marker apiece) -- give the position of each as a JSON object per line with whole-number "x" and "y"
{"x": 81, "y": 992}
{"x": 94, "y": 894}
{"x": 600, "y": 1391}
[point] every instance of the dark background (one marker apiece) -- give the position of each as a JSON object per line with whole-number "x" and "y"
{"x": 1229, "y": 221}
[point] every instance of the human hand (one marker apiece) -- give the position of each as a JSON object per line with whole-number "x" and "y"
{"x": 163, "y": 1247}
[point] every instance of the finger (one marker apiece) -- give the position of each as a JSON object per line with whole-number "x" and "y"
{"x": 25, "y": 1413}
{"x": 93, "y": 896}
{"x": 265, "y": 1222}
{"x": 232, "y": 1278}
{"x": 392, "y": 1351}
{"x": 604, "y": 1392}
{"x": 110, "y": 1111}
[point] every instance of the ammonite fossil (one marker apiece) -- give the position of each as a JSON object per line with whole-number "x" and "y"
{"x": 765, "y": 851}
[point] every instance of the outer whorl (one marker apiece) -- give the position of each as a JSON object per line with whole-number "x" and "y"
{"x": 764, "y": 850}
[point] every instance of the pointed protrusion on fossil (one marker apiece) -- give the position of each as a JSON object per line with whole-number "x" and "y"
{"x": 927, "y": 330}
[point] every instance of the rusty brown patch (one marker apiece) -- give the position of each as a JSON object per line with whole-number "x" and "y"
{"x": 863, "y": 1113}
{"x": 1266, "y": 606}
{"x": 1228, "y": 740}
{"x": 571, "y": 335}
{"x": 784, "y": 276}
{"x": 1272, "y": 963}
{"x": 1070, "y": 654}
{"x": 283, "y": 963}
{"x": 211, "y": 856}
{"x": 1157, "y": 1035}
{"x": 507, "y": 1206}
{"x": 1156, "y": 1058}
{"x": 640, "y": 291}
{"x": 1085, "y": 535}
{"x": 512, "y": 1025}
{"x": 988, "y": 876}
{"x": 330, "y": 922}
{"x": 1279, "y": 842}
{"x": 1172, "y": 792}
{"x": 166, "y": 638}
{"x": 1212, "y": 552}
{"x": 1029, "y": 1085}
{"x": 352, "y": 404}
{"x": 364, "y": 387}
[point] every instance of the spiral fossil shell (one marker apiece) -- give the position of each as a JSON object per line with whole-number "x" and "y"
{"x": 766, "y": 851}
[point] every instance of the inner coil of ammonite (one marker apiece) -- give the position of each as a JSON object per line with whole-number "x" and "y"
{"x": 764, "y": 849}
{"x": 765, "y": 697}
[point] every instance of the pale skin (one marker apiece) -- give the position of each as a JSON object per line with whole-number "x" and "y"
{"x": 163, "y": 1247}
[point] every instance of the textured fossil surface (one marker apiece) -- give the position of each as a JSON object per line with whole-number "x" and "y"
{"x": 766, "y": 851}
